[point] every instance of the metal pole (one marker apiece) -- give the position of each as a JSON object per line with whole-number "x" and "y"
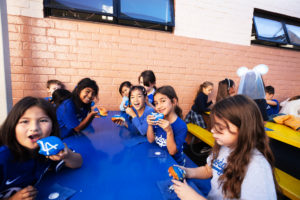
{"x": 5, "y": 79}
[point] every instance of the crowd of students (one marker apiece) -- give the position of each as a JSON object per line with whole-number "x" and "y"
{"x": 240, "y": 159}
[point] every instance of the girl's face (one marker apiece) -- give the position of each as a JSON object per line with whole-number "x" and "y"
{"x": 207, "y": 90}
{"x": 137, "y": 99}
{"x": 148, "y": 88}
{"x": 125, "y": 91}
{"x": 163, "y": 104}
{"x": 32, "y": 126}
{"x": 87, "y": 95}
{"x": 231, "y": 90}
{"x": 225, "y": 136}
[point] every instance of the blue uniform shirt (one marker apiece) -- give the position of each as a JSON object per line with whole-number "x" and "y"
{"x": 151, "y": 97}
{"x": 69, "y": 117}
{"x": 16, "y": 175}
{"x": 139, "y": 124}
{"x": 180, "y": 131}
{"x": 271, "y": 110}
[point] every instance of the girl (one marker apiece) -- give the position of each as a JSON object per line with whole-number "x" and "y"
{"x": 148, "y": 80}
{"x": 59, "y": 95}
{"x": 137, "y": 121}
{"x": 124, "y": 92}
{"x": 75, "y": 113}
{"x": 21, "y": 167}
{"x": 226, "y": 88}
{"x": 200, "y": 105}
{"x": 241, "y": 164}
{"x": 169, "y": 133}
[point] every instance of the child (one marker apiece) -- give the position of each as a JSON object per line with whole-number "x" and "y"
{"x": 124, "y": 91}
{"x": 200, "y": 105}
{"x": 75, "y": 113}
{"x": 21, "y": 167}
{"x": 53, "y": 85}
{"x": 148, "y": 80}
{"x": 241, "y": 164}
{"x": 226, "y": 88}
{"x": 169, "y": 133}
{"x": 137, "y": 122}
{"x": 59, "y": 95}
{"x": 273, "y": 104}
{"x": 291, "y": 106}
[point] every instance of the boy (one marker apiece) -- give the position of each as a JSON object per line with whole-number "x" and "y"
{"x": 53, "y": 85}
{"x": 273, "y": 105}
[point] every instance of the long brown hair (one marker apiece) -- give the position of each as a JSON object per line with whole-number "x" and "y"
{"x": 204, "y": 85}
{"x": 223, "y": 89}
{"x": 244, "y": 114}
{"x": 171, "y": 94}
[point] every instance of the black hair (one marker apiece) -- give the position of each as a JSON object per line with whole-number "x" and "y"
{"x": 59, "y": 95}
{"x": 171, "y": 94}
{"x": 137, "y": 87}
{"x": 7, "y": 130}
{"x": 124, "y": 84}
{"x": 269, "y": 89}
{"x": 83, "y": 83}
{"x": 148, "y": 78}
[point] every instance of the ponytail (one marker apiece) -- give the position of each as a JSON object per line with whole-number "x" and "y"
{"x": 178, "y": 111}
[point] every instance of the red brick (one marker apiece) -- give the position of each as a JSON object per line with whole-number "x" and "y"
{"x": 15, "y": 45}
{"x": 89, "y": 27}
{"x": 45, "y": 23}
{"x": 33, "y": 30}
{"x": 17, "y": 77}
{"x": 57, "y": 33}
{"x": 66, "y": 71}
{"x": 20, "y": 53}
{"x": 18, "y": 93}
{"x": 12, "y": 19}
{"x": 58, "y": 48}
{"x": 15, "y": 61}
{"x": 65, "y": 24}
{"x": 81, "y": 50}
{"x": 80, "y": 64}
{"x": 42, "y": 54}
{"x": 35, "y": 93}
{"x": 109, "y": 30}
{"x": 62, "y": 78}
{"x": 36, "y": 78}
{"x": 87, "y": 43}
{"x": 58, "y": 63}
{"x": 80, "y": 35}
{"x": 14, "y": 28}
{"x": 66, "y": 56}
{"x": 43, "y": 39}
{"x": 43, "y": 70}
{"x": 65, "y": 41}
{"x": 35, "y": 62}
{"x": 34, "y": 46}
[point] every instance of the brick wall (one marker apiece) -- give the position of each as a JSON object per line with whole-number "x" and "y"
{"x": 68, "y": 50}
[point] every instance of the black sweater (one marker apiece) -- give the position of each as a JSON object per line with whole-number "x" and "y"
{"x": 200, "y": 104}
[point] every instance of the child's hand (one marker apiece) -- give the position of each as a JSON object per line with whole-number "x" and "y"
{"x": 150, "y": 120}
{"x": 61, "y": 155}
{"x": 184, "y": 191}
{"x": 26, "y": 193}
{"x": 182, "y": 167}
{"x": 130, "y": 112}
{"x": 93, "y": 114}
{"x": 164, "y": 124}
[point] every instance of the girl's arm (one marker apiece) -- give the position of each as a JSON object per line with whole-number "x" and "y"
{"x": 186, "y": 192}
{"x": 86, "y": 121}
{"x": 171, "y": 144}
{"x": 150, "y": 131}
{"x": 271, "y": 102}
{"x": 71, "y": 159}
{"x": 203, "y": 172}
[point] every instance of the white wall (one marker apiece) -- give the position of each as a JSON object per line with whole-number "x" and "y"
{"x": 218, "y": 20}
{"x": 225, "y": 20}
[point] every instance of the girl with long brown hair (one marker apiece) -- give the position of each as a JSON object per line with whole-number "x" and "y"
{"x": 241, "y": 164}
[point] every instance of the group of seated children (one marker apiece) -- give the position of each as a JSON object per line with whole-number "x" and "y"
{"x": 240, "y": 158}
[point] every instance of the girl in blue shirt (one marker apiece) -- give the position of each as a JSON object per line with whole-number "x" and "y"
{"x": 148, "y": 80}
{"x": 21, "y": 167}
{"x": 75, "y": 113}
{"x": 137, "y": 120}
{"x": 169, "y": 133}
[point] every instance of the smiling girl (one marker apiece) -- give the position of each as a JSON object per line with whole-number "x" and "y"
{"x": 75, "y": 113}
{"x": 169, "y": 133}
{"x": 21, "y": 167}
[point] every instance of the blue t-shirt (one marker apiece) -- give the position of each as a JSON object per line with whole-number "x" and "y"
{"x": 271, "y": 110}
{"x": 180, "y": 131}
{"x": 69, "y": 117}
{"x": 151, "y": 97}
{"x": 16, "y": 175}
{"x": 124, "y": 100}
{"x": 48, "y": 98}
{"x": 138, "y": 124}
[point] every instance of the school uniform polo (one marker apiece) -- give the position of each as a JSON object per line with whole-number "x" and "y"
{"x": 180, "y": 131}
{"x": 69, "y": 117}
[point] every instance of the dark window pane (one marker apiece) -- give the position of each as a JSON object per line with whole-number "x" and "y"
{"x": 98, "y": 6}
{"x": 148, "y": 10}
{"x": 293, "y": 33}
{"x": 269, "y": 30}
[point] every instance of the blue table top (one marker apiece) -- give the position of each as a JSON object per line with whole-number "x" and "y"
{"x": 116, "y": 164}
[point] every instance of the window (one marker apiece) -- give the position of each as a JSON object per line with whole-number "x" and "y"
{"x": 275, "y": 30}
{"x": 154, "y": 14}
